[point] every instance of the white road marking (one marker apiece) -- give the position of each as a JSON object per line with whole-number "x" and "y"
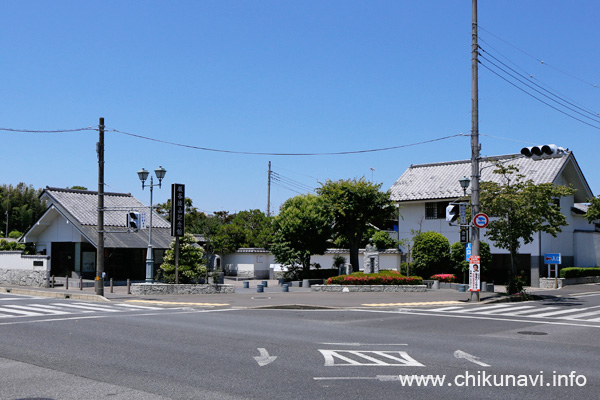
{"x": 264, "y": 358}
{"x": 469, "y": 357}
{"x": 20, "y": 312}
{"x": 84, "y": 306}
{"x": 368, "y": 358}
{"x": 508, "y": 311}
{"x": 41, "y": 308}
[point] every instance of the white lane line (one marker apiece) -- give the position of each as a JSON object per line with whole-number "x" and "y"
{"x": 86, "y": 307}
{"x": 506, "y": 311}
{"x": 19, "y": 312}
{"x": 553, "y": 313}
{"x": 576, "y": 316}
{"x": 138, "y": 307}
{"x": 41, "y": 308}
{"x": 535, "y": 310}
{"x": 444, "y": 308}
{"x": 481, "y": 309}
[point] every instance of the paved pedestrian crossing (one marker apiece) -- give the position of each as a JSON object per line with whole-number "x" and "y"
{"x": 527, "y": 309}
{"x": 67, "y": 308}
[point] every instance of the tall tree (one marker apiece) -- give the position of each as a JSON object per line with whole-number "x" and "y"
{"x": 302, "y": 229}
{"x": 23, "y": 205}
{"x": 353, "y": 204}
{"x": 593, "y": 212}
{"x": 247, "y": 229}
{"x": 519, "y": 209}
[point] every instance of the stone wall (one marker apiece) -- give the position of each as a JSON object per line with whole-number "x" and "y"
{"x": 21, "y": 277}
{"x": 369, "y": 288}
{"x": 552, "y": 283}
{"x": 165, "y": 288}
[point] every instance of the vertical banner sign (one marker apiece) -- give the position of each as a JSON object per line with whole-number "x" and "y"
{"x": 177, "y": 209}
{"x": 474, "y": 271}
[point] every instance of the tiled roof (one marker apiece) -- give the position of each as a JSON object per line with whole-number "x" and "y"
{"x": 440, "y": 180}
{"x": 82, "y": 205}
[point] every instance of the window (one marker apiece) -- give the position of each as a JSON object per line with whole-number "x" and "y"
{"x": 436, "y": 210}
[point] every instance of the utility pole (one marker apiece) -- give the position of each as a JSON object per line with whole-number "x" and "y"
{"x": 475, "y": 137}
{"x": 100, "y": 247}
{"x": 269, "y": 192}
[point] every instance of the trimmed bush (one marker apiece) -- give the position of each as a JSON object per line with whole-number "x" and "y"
{"x": 579, "y": 272}
{"x": 431, "y": 254}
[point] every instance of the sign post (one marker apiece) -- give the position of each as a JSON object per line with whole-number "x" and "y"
{"x": 553, "y": 260}
{"x": 177, "y": 220}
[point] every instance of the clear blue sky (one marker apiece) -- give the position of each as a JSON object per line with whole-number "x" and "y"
{"x": 283, "y": 77}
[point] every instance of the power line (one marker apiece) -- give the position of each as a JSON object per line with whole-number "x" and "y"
{"x": 284, "y": 154}
{"x": 89, "y": 128}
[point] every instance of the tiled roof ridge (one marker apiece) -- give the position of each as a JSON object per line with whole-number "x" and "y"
{"x": 490, "y": 158}
{"x": 78, "y": 191}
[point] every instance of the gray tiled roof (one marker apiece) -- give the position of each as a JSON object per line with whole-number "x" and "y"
{"x": 82, "y": 205}
{"x": 440, "y": 180}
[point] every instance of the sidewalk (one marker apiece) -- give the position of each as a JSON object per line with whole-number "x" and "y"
{"x": 272, "y": 297}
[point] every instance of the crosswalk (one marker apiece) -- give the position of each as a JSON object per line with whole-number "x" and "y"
{"x": 64, "y": 308}
{"x": 527, "y": 309}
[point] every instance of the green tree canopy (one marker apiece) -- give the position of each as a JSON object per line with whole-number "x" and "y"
{"x": 519, "y": 209}
{"x": 302, "y": 229}
{"x": 247, "y": 229}
{"x": 352, "y": 204}
{"x": 593, "y": 212}
{"x": 23, "y": 204}
{"x": 460, "y": 265}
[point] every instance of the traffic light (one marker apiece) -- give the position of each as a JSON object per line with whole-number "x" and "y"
{"x": 545, "y": 151}
{"x": 133, "y": 221}
{"x": 452, "y": 212}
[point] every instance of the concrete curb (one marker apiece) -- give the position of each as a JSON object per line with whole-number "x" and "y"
{"x": 56, "y": 295}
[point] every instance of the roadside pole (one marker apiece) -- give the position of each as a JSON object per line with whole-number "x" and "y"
{"x": 100, "y": 246}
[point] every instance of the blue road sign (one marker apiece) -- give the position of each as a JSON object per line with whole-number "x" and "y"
{"x": 468, "y": 252}
{"x": 552, "y": 258}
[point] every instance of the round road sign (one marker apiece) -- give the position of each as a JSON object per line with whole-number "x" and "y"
{"x": 481, "y": 220}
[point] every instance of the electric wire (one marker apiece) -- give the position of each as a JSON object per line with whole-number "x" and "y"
{"x": 89, "y": 128}
{"x": 595, "y": 115}
{"x": 284, "y": 154}
{"x": 537, "y": 59}
{"x": 291, "y": 181}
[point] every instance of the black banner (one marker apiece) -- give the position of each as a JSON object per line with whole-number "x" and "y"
{"x": 177, "y": 209}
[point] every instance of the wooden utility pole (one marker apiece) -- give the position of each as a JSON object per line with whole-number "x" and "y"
{"x": 100, "y": 246}
{"x": 475, "y": 148}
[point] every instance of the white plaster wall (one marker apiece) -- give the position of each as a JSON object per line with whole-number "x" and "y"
{"x": 587, "y": 249}
{"x": 16, "y": 260}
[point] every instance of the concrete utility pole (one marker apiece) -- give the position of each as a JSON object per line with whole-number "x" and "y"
{"x": 269, "y": 192}
{"x": 475, "y": 148}
{"x": 100, "y": 247}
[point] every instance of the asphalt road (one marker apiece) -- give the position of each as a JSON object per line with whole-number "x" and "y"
{"x": 124, "y": 350}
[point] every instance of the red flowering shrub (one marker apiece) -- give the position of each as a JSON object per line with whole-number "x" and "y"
{"x": 374, "y": 279}
{"x": 444, "y": 277}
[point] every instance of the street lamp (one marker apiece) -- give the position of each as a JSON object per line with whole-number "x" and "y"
{"x": 143, "y": 175}
{"x": 464, "y": 184}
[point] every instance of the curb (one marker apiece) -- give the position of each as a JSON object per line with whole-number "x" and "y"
{"x": 56, "y": 295}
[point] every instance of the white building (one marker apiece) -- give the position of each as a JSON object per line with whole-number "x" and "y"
{"x": 424, "y": 191}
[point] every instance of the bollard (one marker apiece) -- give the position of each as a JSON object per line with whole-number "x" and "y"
{"x": 80, "y": 282}
{"x": 111, "y": 285}
{"x": 285, "y": 288}
{"x": 66, "y": 283}
{"x": 260, "y": 288}
{"x": 128, "y": 286}
{"x": 246, "y": 284}
{"x": 265, "y": 283}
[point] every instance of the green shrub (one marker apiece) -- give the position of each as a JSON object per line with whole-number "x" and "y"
{"x": 431, "y": 254}
{"x": 444, "y": 278}
{"x": 579, "y": 272}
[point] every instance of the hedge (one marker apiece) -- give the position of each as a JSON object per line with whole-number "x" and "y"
{"x": 579, "y": 272}
{"x": 374, "y": 280}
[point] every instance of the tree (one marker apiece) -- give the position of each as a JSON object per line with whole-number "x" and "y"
{"x": 191, "y": 262}
{"x": 593, "y": 212}
{"x": 247, "y": 229}
{"x": 302, "y": 229}
{"x": 23, "y": 205}
{"x": 430, "y": 254}
{"x": 78, "y": 188}
{"x": 382, "y": 240}
{"x": 352, "y": 204}
{"x": 520, "y": 208}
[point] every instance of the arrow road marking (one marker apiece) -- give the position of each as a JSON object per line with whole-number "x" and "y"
{"x": 469, "y": 357}
{"x": 264, "y": 357}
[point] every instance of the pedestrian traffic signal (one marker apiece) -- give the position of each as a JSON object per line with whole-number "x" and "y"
{"x": 133, "y": 221}
{"x": 545, "y": 151}
{"x": 452, "y": 212}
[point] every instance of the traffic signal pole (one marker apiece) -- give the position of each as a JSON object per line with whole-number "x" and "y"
{"x": 475, "y": 147}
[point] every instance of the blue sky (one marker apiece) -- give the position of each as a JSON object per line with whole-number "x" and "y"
{"x": 283, "y": 77}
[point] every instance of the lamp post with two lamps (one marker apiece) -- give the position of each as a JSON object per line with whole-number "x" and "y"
{"x": 143, "y": 175}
